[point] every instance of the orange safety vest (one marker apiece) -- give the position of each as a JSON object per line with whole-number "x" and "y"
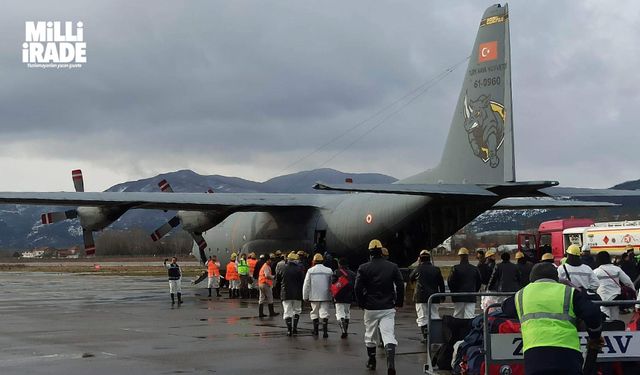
{"x": 232, "y": 271}
{"x": 213, "y": 268}
{"x": 262, "y": 279}
{"x": 252, "y": 265}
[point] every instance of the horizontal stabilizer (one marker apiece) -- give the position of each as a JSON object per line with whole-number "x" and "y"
{"x": 409, "y": 189}
{"x": 533, "y": 203}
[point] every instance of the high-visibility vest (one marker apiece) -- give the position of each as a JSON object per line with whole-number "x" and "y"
{"x": 262, "y": 279}
{"x": 243, "y": 267}
{"x": 213, "y": 268}
{"x": 252, "y": 265}
{"x": 546, "y": 316}
{"x": 232, "y": 271}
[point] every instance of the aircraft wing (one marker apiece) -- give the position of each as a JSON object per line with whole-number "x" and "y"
{"x": 410, "y": 189}
{"x": 163, "y": 201}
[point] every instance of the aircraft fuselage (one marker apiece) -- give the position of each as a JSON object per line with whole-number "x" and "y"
{"x": 344, "y": 223}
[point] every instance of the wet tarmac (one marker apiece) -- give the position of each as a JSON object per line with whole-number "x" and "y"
{"x": 84, "y": 324}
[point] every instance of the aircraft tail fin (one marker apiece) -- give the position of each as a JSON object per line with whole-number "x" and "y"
{"x": 479, "y": 147}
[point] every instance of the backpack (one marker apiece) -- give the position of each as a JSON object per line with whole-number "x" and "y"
{"x": 342, "y": 281}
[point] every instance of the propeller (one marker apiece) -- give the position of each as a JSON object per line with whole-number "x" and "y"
{"x": 54, "y": 217}
{"x": 164, "y": 229}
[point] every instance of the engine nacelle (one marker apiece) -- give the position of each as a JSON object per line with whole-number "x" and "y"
{"x": 98, "y": 218}
{"x": 200, "y": 221}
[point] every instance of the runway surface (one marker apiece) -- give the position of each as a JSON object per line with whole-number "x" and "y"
{"x": 83, "y": 324}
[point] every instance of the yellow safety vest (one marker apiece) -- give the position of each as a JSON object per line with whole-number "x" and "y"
{"x": 545, "y": 309}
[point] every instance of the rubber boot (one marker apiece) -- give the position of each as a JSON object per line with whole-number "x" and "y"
{"x": 344, "y": 325}
{"x": 289, "y": 326}
{"x": 230, "y": 293}
{"x": 325, "y": 324}
{"x": 316, "y": 323}
{"x": 341, "y": 326}
{"x": 371, "y": 362}
{"x": 425, "y": 333}
{"x": 173, "y": 299}
{"x": 272, "y": 312}
{"x": 179, "y": 298}
{"x": 391, "y": 358}
{"x": 296, "y": 318}
{"x": 261, "y": 313}
{"x": 209, "y": 292}
{"x": 218, "y": 292}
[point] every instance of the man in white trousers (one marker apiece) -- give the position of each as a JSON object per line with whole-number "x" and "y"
{"x": 175, "y": 279}
{"x": 343, "y": 281}
{"x": 464, "y": 278}
{"x": 429, "y": 281}
{"x": 379, "y": 290}
{"x": 316, "y": 290}
{"x": 291, "y": 278}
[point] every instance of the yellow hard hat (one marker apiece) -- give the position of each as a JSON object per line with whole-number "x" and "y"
{"x": 375, "y": 244}
{"x": 278, "y": 253}
{"x": 318, "y": 258}
{"x": 292, "y": 256}
{"x": 234, "y": 255}
{"x": 463, "y": 251}
{"x": 385, "y": 252}
{"x": 425, "y": 252}
{"x": 491, "y": 252}
{"x": 519, "y": 255}
{"x": 252, "y": 255}
{"x": 573, "y": 249}
{"x": 547, "y": 256}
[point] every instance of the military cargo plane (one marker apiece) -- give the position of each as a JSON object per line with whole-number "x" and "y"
{"x": 476, "y": 174}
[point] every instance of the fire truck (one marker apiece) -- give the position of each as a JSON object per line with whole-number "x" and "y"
{"x": 556, "y": 235}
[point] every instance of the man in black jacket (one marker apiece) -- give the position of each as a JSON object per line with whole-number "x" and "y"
{"x": 291, "y": 279}
{"x": 507, "y": 276}
{"x": 524, "y": 267}
{"x": 483, "y": 266}
{"x": 428, "y": 281}
{"x": 344, "y": 298}
{"x": 464, "y": 277}
{"x": 379, "y": 289}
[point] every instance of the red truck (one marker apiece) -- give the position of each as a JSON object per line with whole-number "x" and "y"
{"x": 550, "y": 234}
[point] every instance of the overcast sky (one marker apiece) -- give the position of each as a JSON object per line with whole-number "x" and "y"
{"x": 245, "y": 88}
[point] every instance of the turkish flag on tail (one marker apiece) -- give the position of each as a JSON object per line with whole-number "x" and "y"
{"x": 487, "y": 51}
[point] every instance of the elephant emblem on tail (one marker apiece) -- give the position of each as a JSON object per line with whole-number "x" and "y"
{"x": 484, "y": 123}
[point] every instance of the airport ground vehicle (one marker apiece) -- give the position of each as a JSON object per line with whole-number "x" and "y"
{"x": 557, "y": 235}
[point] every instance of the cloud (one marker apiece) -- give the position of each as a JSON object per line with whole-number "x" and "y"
{"x": 246, "y": 88}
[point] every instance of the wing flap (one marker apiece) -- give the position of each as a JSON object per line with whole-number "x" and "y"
{"x": 533, "y": 203}
{"x": 409, "y": 189}
{"x": 586, "y": 192}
